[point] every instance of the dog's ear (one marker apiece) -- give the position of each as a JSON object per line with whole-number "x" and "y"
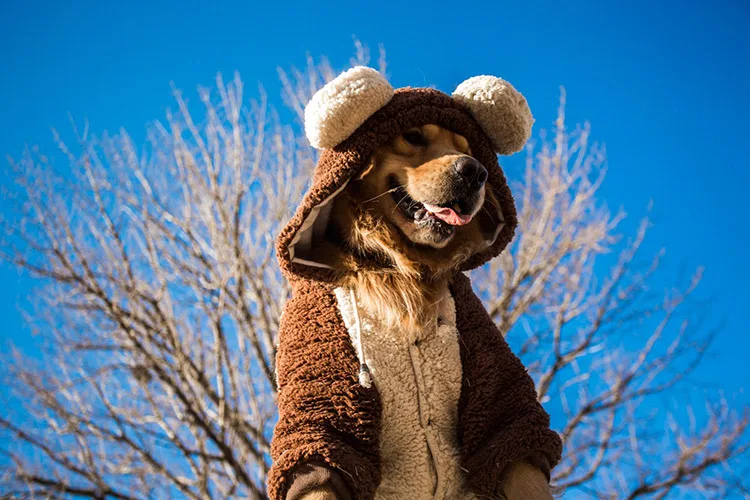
{"x": 501, "y": 111}
{"x": 343, "y": 104}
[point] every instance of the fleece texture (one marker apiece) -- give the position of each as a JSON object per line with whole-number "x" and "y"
{"x": 341, "y": 107}
{"x": 476, "y": 407}
{"x": 500, "y": 419}
{"x": 501, "y": 110}
{"x": 325, "y": 416}
{"x": 419, "y": 382}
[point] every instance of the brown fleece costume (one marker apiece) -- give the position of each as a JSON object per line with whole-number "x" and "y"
{"x": 329, "y": 423}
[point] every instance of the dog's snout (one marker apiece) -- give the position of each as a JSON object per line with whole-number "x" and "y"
{"x": 471, "y": 170}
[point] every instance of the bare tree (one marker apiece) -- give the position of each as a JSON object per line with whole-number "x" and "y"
{"x": 603, "y": 344}
{"x": 159, "y": 299}
{"x": 160, "y": 307}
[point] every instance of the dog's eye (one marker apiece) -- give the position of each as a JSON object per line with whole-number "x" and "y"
{"x": 415, "y": 138}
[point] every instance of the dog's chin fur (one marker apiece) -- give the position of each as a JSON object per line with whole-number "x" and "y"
{"x": 390, "y": 283}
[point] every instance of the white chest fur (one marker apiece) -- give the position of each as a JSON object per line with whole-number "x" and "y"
{"x": 419, "y": 382}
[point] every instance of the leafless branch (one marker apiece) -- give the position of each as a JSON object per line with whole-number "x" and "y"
{"x": 159, "y": 299}
{"x": 603, "y": 343}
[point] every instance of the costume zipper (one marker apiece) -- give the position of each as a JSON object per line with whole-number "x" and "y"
{"x": 424, "y": 419}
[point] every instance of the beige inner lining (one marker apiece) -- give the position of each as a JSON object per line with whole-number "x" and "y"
{"x": 302, "y": 247}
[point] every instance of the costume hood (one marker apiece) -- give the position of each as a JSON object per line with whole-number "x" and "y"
{"x": 358, "y": 111}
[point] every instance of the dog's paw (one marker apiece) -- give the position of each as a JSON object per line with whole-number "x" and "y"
{"x": 525, "y": 482}
{"x": 323, "y": 493}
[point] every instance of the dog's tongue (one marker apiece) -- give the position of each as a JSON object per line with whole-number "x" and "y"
{"x": 448, "y": 215}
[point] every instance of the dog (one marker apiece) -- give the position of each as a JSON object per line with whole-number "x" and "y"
{"x": 420, "y": 204}
{"x": 393, "y": 380}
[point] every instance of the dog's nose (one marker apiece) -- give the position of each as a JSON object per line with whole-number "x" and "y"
{"x": 471, "y": 170}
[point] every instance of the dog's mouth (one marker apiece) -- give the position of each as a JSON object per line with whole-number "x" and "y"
{"x": 442, "y": 217}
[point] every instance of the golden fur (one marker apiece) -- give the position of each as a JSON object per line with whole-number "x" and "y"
{"x": 400, "y": 270}
{"x": 523, "y": 481}
{"x": 322, "y": 493}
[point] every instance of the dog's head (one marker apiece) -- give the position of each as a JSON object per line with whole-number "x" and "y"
{"x": 428, "y": 191}
{"x": 433, "y": 184}
{"x": 406, "y": 176}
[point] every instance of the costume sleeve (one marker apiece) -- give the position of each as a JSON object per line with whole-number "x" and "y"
{"x": 500, "y": 419}
{"x": 325, "y": 417}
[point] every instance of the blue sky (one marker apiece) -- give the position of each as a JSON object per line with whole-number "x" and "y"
{"x": 664, "y": 84}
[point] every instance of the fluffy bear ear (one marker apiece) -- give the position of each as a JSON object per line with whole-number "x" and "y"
{"x": 501, "y": 111}
{"x": 343, "y": 104}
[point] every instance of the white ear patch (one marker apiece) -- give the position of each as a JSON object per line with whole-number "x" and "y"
{"x": 501, "y": 111}
{"x": 343, "y": 104}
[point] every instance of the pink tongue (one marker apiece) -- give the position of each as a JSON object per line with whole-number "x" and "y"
{"x": 447, "y": 215}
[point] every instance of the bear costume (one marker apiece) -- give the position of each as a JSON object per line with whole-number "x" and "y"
{"x": 362, "y": 409}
